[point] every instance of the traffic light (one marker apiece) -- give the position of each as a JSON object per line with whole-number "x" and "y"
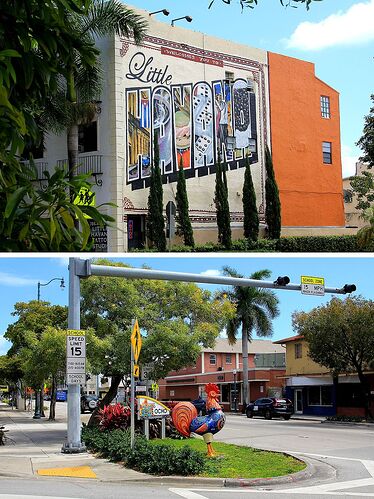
{"x": 282, "y": 281}
{"x": 349, "y": 288}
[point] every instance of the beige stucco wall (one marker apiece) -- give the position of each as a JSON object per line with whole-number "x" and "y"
{"x": 303, "y": 365}
{"x": 352, "y": 215}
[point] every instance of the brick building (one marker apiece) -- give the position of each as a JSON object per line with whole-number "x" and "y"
{"x": 223, "y": 365}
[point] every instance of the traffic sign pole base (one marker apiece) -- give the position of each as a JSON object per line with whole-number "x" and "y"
{"x": 67, "y": 449}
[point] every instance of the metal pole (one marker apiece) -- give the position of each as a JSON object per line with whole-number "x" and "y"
{"x": 161, "y": 275}
{"x": 38, "y": 291}
{"x": 235, "y": 397}
{"x": 132, "y": 405}
{"x": 74, "y": 444}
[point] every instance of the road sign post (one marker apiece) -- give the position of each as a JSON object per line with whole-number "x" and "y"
{"x": 136, "y": 346}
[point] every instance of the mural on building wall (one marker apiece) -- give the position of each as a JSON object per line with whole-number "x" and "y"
{"x": 191, "y": 121}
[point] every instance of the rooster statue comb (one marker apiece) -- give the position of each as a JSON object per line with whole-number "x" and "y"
{"x": 186, "y": 420}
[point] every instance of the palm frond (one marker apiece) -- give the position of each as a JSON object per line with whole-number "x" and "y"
{"x": 262, "y": 323}
{"x": 112, "y": 17}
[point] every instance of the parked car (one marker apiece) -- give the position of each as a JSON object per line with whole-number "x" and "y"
{"x": 270, "y": 408}
{"x": 89, "y": 403}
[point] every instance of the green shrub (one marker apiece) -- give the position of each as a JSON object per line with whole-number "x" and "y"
{"x": 157, "y": 459}
{"x": 316, "y": 244}
{"x": 348, "y": 419}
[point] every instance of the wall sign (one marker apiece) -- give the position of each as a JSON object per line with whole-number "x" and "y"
{"x": 150, "y": 408}
{"x": 99, "y": 235}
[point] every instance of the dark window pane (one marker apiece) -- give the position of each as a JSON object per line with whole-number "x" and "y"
{"x": 326, "y": 395}
{"x": 87, "y": 137}
{"x": 314, "y": 395}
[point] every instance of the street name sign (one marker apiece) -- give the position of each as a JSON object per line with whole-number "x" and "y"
{"x": 75, "y": 358}
{"x": 312, "y": 285}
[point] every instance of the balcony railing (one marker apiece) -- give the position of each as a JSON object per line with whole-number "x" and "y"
{"x": 40, "y": 165}
{"x": 88, "y": 164}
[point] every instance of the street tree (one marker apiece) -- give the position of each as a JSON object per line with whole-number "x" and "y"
{"x": 222, "y": 204}
{"x": 255, "y": 308}
{"x": 251, "y": 220}
{"x": 155, "y": 218}
{"x": 273, "y": 206}
{"x": 175, "y": 318}
{"x": 365, "y": 236}
{"x": 363, "y": 187}
{"x": 366, "y": 142}
{"x": 184, "y": 227}
{"x": 252, "y": 3}
{"x": 340, "y": 336}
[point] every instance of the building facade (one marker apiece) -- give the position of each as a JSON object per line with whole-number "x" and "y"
{"x": 352, "y": 214}
{"x": 312, "y": 388}
{"x": 223, "y": 365}
{"x": 201, "y": 98}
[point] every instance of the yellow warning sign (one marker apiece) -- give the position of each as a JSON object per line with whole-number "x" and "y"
{"x": 306, "y": 279}
{"x": 85, "y": 197}
{"x": 136, "y": 371}
{"x": 136, "y": 341}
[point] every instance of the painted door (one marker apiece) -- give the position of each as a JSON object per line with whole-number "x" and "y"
{"x": 298, "y": 402}
{"x": 136, "y": 231}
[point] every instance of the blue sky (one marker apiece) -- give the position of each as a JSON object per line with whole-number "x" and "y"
{"x": 337, "y": 35}
{"x": 19, "y": 278}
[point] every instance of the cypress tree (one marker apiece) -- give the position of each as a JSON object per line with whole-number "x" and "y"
{"x": 222, "y": 205}
{"x": 184, "y": 227}
{"x": 251, "y": 220}
{"x": 155, "y": 220}
{"x": 273, "y": 206}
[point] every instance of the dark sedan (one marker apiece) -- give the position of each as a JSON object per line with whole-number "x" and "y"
{"x": 270, "y": 407}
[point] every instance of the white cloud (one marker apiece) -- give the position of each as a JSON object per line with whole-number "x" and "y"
{"x": 349, "y": 160}
{"x": 354, "y": 26}
{"x": 61, "y": 262}
{"x": 12, "y": 280}
{"x": 212, "y": 272}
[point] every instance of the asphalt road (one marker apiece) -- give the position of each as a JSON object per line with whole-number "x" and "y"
{"x": 343, "y": 457}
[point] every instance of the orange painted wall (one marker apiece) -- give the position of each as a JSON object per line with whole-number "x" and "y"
{"x": 311, "y": 191}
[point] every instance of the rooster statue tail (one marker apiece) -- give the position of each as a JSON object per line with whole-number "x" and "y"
{"x": 182, "y": 415}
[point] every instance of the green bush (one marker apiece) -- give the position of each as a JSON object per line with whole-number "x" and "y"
{"x": 317, "y": 244}
{"x": 156, "y": 459}
{"x": 348, "y": 419}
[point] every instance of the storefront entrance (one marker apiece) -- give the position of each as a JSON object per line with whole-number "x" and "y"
{"x": 136, "y": 231}
{"x": 298, "y": 401}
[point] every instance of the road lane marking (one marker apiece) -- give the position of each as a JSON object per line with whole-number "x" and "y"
{"x": 369, "y": 465}
{"x": 188, "y": 494}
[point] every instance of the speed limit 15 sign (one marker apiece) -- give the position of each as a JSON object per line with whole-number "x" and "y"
{"x": 75, "y": 346}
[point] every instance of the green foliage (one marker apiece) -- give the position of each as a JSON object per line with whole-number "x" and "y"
{"x": 155, "y": 219}
{"x": 44, "y": 219}
{"x": 157, "y": 459}
{"x": 222, "y": 205}
{"x": 346, "y": 419}
{"x": 363, "y": 186}
{"x": 318, "y": 244}
{"x": 365, "y": 236}
{"x": 41, "y": 43}
{"x": 184, "y": 227}
{"x": 175, "y": 318}
{"x": 10, "y": 369}
{"x": 273, "y": 207}
{"x": 112, "y": 417}
{"x": 251, "y": 220}
{"x": 366, "y": 142}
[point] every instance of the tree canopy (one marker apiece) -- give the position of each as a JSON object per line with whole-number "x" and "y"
{"x": 340, "y": 336}
{"x": 366, "y": 142}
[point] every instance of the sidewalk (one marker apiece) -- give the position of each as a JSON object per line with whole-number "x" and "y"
{"x": 34, "y": 444}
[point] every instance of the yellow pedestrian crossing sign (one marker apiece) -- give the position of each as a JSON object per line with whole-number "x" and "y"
{"x": 136, "y": 371}
{"x": 85, "y": 197}
{"x": 136, "y": 341}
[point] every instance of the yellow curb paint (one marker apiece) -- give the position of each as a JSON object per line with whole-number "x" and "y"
{"x": 76, "y": 471}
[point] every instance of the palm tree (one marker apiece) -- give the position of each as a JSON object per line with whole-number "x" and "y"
{"x": 255, "y": 308}
{"x": 75, "y": 102}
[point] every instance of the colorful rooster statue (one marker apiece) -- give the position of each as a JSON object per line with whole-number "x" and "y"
{"x": 186, "y": 420}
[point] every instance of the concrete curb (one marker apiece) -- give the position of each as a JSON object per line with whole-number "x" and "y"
{"x": 349, "y": 423}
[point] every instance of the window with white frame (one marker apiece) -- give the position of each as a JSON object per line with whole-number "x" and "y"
{"x": 327, "y": 152}
{"x": 212, "y": 359}
{"x": 325, "y": 106}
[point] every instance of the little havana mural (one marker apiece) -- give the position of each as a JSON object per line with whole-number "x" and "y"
{"x": 191, "y": 122}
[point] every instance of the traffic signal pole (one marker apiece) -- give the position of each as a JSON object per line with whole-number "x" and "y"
{"x": 80, "y": 269}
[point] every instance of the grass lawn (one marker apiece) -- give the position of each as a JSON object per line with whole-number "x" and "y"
{"x": 234, "y": 461}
